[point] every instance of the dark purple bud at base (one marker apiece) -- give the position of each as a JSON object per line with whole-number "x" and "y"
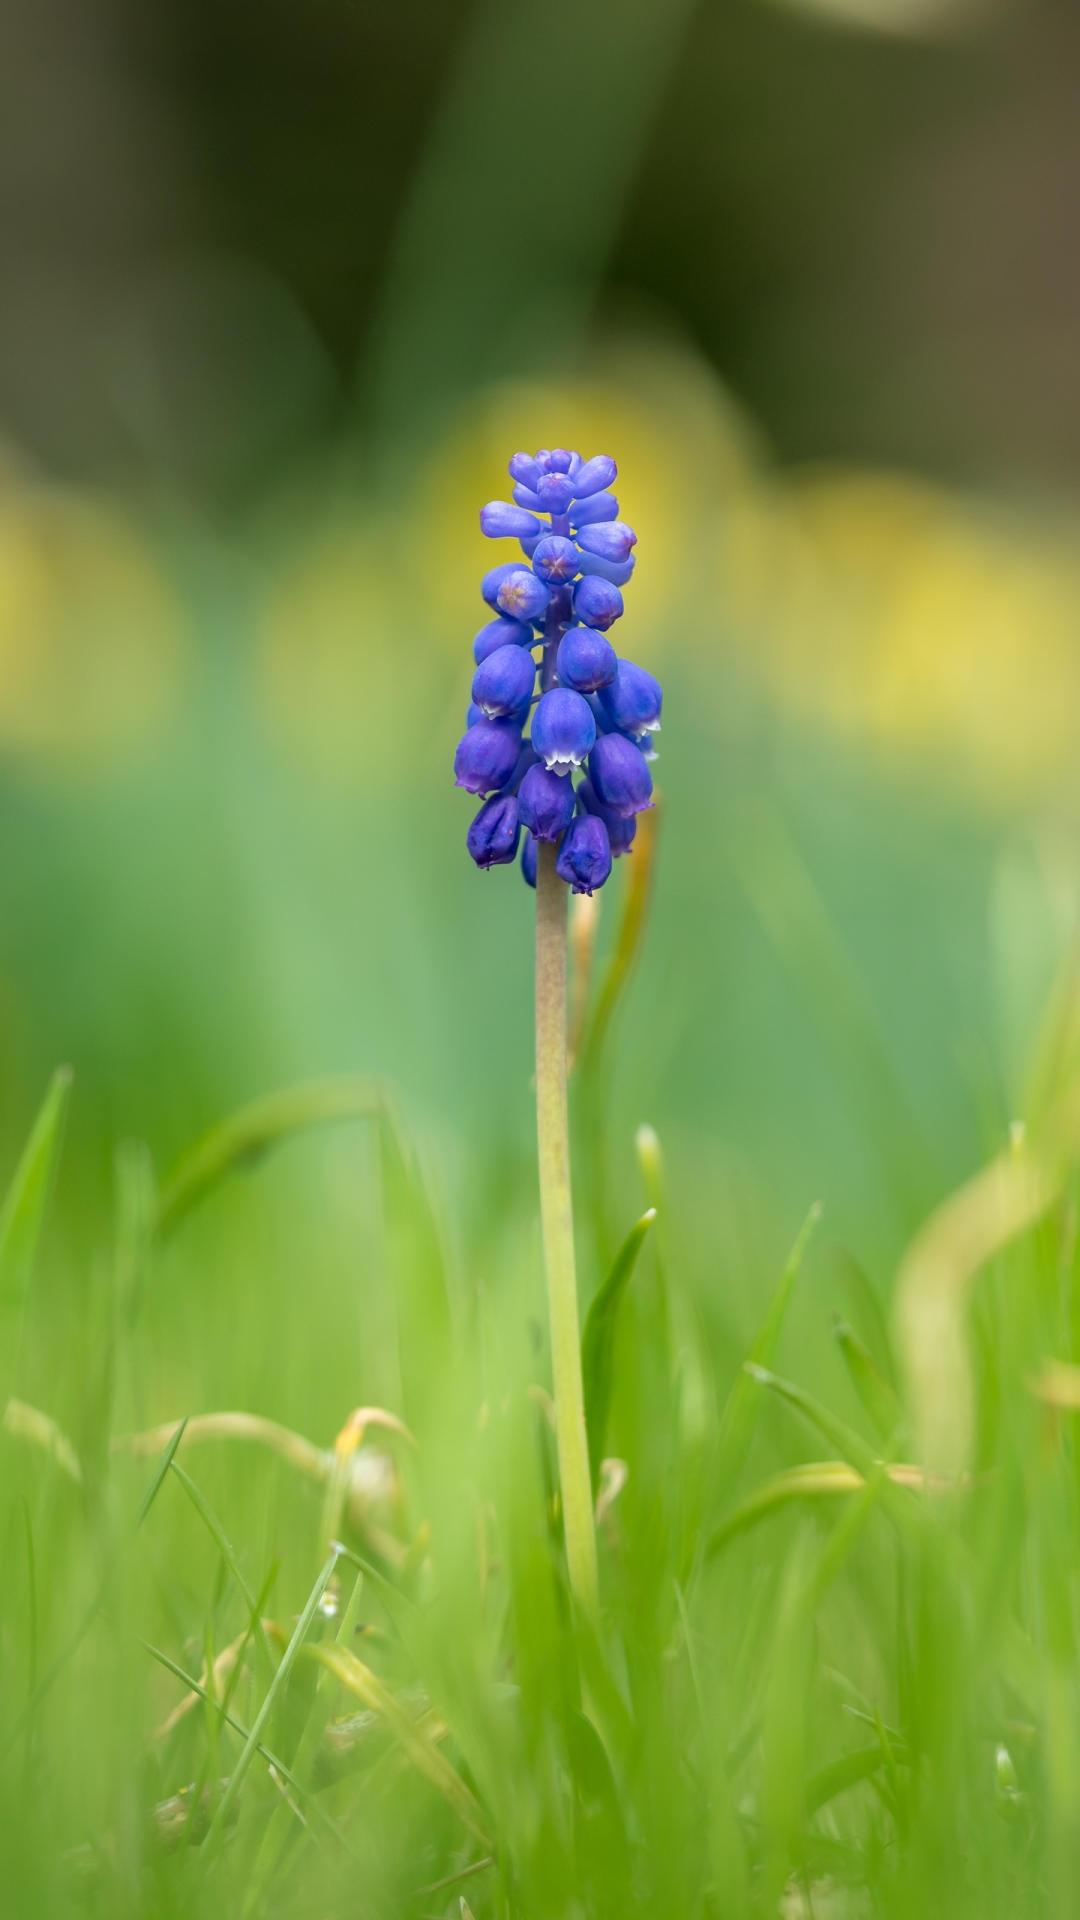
{"x": 633, "y": 700}
{"x": 503, "y": 684}
{"x": 597, "y": 603}
{"x": 620, "y": 831}
{"x": 619, "y": 774}
{"x": 492, "y": 838}
{"x": 563, "y": 729}
{"x": 487, "y": 756}
{"x": 584, "y": 860}
{"x": 585, "y": 660}
{"x": 500, "y": 633}
{"x": 546, "y": 803}
{"x": 528, "y": 860}
{"x": 521, "y": 595}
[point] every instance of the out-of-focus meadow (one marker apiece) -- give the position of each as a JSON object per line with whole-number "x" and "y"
{"x": 283, "y": 290}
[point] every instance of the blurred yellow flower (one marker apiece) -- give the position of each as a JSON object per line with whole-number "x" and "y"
{"x": 91, "y": 634}
{"x": 914, "y": 621}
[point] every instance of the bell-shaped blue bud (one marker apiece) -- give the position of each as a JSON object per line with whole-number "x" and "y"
{"x": 564, "y": 730}
{"x": 584, "y": 860}
{"x": 555, "y": 559}
{"x": 546, "y": 803}
{"x": 620, "y": 777}
{"x": 600, "y": 506}
{"x": 554, "y": 492}
{"x": 621, "y": 829}
{"x": 528, "y": 860}
{"x": 595, "y": 475}
{"x": 633, "y": 700}
{"x": 487, "y": 756}
{"x": 555, "y": 459}
{"x": 523, "y": 468}
{"x": 610, "y": 540}
{"x": 617, "y": 571}
{"x": 522, "y": 595}
{"x": 525, "y": 497}
{"x": 585, "y": 660}
{"x": 499, "y": 519}
{"x": 493, "y": 579}
{"x": 492, "y": 838}
{"x": 473, "y": 713}
{"x": 501, "y": 633}
{"x": 597, "y": 603}
{"x": 503, "y": 683}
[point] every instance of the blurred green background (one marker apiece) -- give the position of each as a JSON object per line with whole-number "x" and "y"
{"x": 284, "y": 288}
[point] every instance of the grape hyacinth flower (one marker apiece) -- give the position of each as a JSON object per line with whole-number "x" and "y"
{"x": 566, "y": 784}
{"x": 547, "y": 649}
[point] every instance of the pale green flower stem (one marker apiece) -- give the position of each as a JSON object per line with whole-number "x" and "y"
{"x": 557, "y": 1222}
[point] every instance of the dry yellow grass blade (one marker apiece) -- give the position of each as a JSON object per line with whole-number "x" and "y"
{"x": 29, "y": 1423}
{"x": 415, "y": 1741}
{"x": 1058, "y": 1385}
{"x": 934, "y": 1288}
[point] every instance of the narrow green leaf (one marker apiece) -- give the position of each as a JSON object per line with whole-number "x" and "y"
{"x": 225, "y": 1547}
{"x": 252, "y": 1742}
{"x": 877, "y": 1396}
{"x": 245, "y": 1136}
{"x": 162, "y": 1468}
{"x": 850, "y": 1770}
{"x": 740, "y": 1413}
{"x": 23, "y": 1210}
{"x": 598, "y": 1340}
{"x": 897, "y": 1500}
{"x": 272, "y": 1759}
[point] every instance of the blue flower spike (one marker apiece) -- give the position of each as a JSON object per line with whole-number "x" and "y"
{"x": 579, "y": 776}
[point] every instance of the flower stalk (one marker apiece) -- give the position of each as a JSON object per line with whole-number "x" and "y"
{"x": 557, "y": 1225}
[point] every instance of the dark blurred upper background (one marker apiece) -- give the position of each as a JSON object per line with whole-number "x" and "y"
{"x": 862, "y": 212}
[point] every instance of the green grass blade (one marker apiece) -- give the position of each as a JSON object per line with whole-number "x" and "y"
{"x": 850, "y": 1770}
{"x": 598, "y": 1340}
{"x": 246, "y": 1136}
{"x": 897, "y": 1500}
{"x": 162, "y": 1468}
{"x": 252, "y": 1742}
{"x": 220, "y": 1536}
{"x": 740, "y": 1412}
{"x": 23, "y": 1212}
{"x": 877, "y": 1396}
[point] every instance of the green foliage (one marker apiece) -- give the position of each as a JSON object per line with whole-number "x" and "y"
{"x": 830, "y": 1707}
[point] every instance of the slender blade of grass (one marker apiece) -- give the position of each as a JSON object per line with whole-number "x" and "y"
{"x": 251, "y": 1743}
{"x": 598, "y": 1340}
